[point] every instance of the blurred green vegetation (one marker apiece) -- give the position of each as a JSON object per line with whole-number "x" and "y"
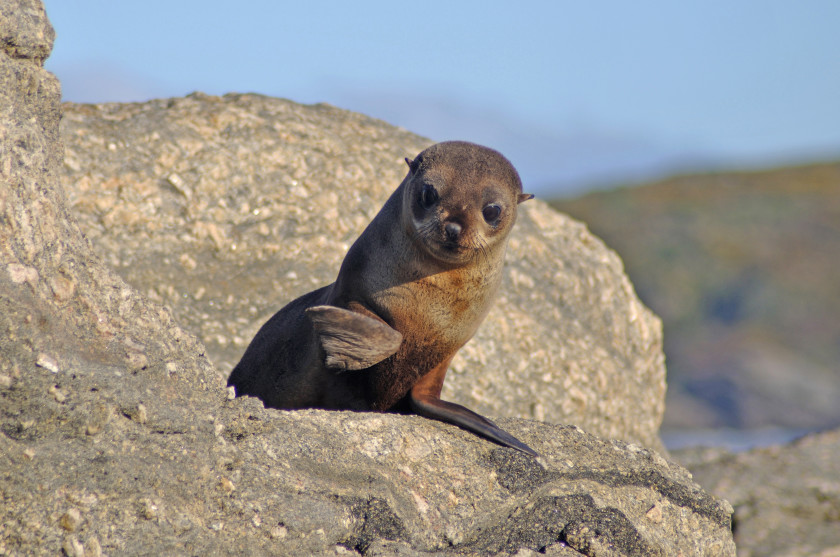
{"x": 735, "y": 264}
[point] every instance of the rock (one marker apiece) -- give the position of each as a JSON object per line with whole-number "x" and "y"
{"x": 149, "y": 454}
{"x": 70, "y": 520}
{"x": 308, "y": 481}
{"x": 240, "y": 204}
{"x": 72, "y": 547}
{"x": 786, "y": 497}
{"x": 25, "y": 31}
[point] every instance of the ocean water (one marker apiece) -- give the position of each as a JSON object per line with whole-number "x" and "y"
{"x": 735, "y": 440}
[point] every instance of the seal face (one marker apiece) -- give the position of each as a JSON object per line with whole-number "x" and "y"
{"x": 412, "y": 290}
{"x": 454, "y": 214}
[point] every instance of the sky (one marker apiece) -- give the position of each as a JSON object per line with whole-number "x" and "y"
{"x": 577, "y": 94}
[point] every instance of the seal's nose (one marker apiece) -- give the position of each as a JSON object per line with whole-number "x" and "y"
{"x": 453, "y": 230}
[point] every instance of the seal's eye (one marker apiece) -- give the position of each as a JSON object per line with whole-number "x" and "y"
{"x": 491, "y": 213}
{"x": 428, "y": 196}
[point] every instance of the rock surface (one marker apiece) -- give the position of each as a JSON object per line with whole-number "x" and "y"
{"x": 25, "y": 31}
{"x": 225, "y": 209}
{"x": 786, "y": 498}
{"x": 117, "y": 435}
{"x": 239, "y": 478}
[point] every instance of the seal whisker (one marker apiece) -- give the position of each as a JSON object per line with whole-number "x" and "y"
{"x": 484, "y": 251}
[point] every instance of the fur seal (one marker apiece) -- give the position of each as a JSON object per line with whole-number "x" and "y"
{"x": 411, "y": 291}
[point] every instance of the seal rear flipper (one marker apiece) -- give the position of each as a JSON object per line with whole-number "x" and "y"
{"x": 456, "y": 414}
{"x": 351, "y": 340}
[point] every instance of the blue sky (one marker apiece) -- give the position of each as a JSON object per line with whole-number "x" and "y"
{"x": 576, "y": 94}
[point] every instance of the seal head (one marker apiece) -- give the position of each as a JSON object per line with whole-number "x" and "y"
{"x": 460, "y": 201}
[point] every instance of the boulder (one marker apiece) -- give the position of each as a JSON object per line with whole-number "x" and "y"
{"x": 225, "y": 209}
{"x": 786, "y": 497}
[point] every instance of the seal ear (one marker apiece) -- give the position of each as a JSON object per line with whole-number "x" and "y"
{"x": 351, "y": 340}
{"x": 524, "y": 197}
{"x": 413, "y": 165}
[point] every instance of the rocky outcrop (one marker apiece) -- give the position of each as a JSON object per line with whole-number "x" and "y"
{"x": 242, "y": 479}
{"x": 786, "y": 498}
{"x": 117, "y": 435}
{"x": 225, "y": 209}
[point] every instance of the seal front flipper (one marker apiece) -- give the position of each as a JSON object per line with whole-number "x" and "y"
{"x": 351, "y": 340}
{"x": 456, "y": 414}
{"x": 425, "y": 401}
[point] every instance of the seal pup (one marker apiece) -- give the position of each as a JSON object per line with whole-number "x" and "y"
{"x": 411, "y": 291}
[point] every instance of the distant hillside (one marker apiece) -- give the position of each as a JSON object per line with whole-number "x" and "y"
{"x": 744, "y": 269}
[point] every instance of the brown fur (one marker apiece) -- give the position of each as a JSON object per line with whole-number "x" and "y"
{"x": 427, "y": 267}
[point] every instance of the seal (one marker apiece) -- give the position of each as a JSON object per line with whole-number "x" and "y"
{"x": 411, "y": 291}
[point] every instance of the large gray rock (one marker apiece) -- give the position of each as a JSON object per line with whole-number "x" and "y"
{"x": 786, "y": 498}
{"x": 118, "y": 437}
{"x": 225, "y": 209}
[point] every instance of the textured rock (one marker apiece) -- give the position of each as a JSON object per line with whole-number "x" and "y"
{"x": 25, "y": 31}
{"x": 786, "y": 498}
{"x": 117, "y": 436}
{"x": 239, "y": 477}
{"x": 224, "y": 209}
